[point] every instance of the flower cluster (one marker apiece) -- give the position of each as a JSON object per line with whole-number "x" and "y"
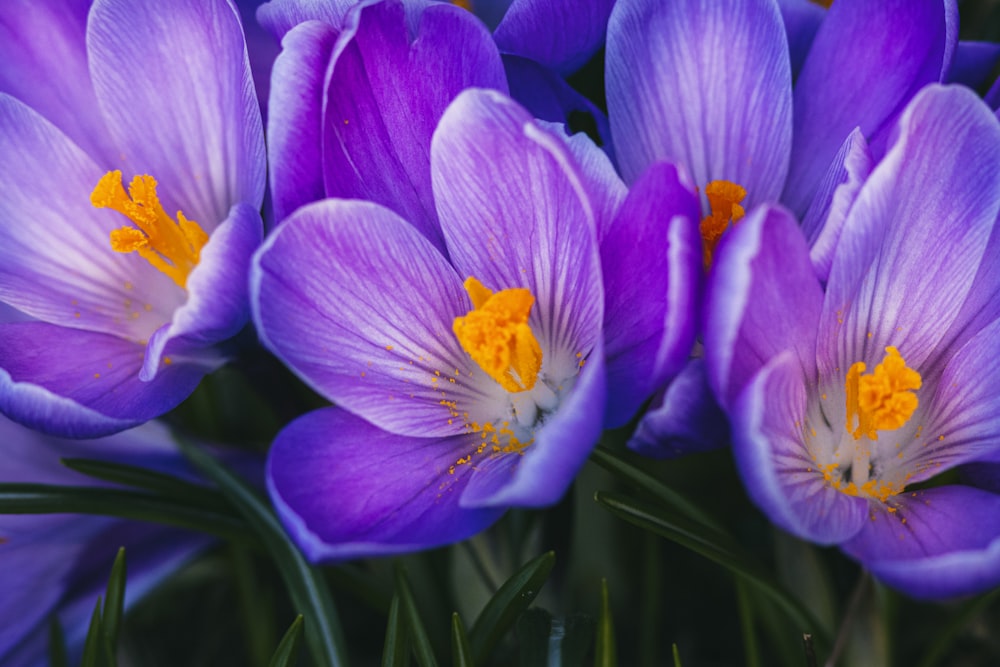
{"x": 782, "y": 236}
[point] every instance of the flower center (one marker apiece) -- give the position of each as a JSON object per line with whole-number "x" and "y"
{"x": 882, "y": 400}
{"x": 495, "y": 333}
{"x": 174, "y": 248}
{"x": 724, "y": 199}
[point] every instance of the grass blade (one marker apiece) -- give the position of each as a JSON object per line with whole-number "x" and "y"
{"x": 149, "y": 480}
{"x": 396, "y": 649}
{"x": 604, "y": 649}
{"x": 288, "y": 648}
{"x": 92, "y": 645}
{"x": 417, "y": 633}
{"x": 57, "y": 644}
{"x": 461, "y": 651}
{"x": 114, "y": 607}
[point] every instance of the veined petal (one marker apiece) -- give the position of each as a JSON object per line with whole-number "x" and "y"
{"x": 802, "y": 19}
{"x": 347, "y": 489}
{"x": 703, "y": 84}
{"x": 911, "y": 246}
{"x": 763, "y": 299}
{"x": 385, "y": 94}
{"x": 868, "y": 59}
{"x": 515, "y": 213}
{"x": 768, "y": 426}
{"x": 935, "y": 543}
{"x": 361, "y": 306}
{"x": 175, "y": 86}
{"x": 295, "y": 117}
{"x": 561, "y": 34}
{"x": 651, "y": 262}
{"x": 56, "y": 261}
{"x": 49, "y": 384}
{"x": 281, "y": 16}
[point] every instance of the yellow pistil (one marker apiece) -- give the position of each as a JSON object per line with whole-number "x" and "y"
{"x": 882, "y": 400}
{"x": 497, "y": 336}
{"x": 724, "y": 199}
{"x": 174, "y": 248}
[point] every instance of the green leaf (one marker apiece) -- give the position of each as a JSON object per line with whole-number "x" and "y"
{"x": 751, "y": 650}
{"x": 92, "y": 646}
{"x": 57, "y": 644}
{"x": 710, "y": 544}
{"x": 288, "y": 648}
{"x": 408, "y": 607}
{"x": 396, "y": 649}
{"x": 502, "y": 610}
{"x": 677, "y": 656}
{"x": 461, "y": 652}
{"x": 151, "y": 480}
{"x": 306, "y": 585}
{"x": 114, "y": 607}
{"x": 604, "y": 648}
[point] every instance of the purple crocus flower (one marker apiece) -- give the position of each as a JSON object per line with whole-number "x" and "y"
{"x": 128, "y": 290}
{"x": 843, "y": 399}
{"x": 469, "y": 375}
{"x": 57, "y": 565}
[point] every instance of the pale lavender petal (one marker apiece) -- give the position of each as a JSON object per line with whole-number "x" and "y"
{"x": 346, "y": 489}
{"x": 778, "y": 471}
{"x": 385, "y": 94}
{"x": 178, "y": 96}
{"x": 703, "y": 84}
{"x": 935, "y": 543}
{"x": 973, "y": 63}
{"x": 281, "y": 16}
{"x": 836, "y": 194}
{"x": 911, "y": 246}
{"x": 868, "y": 59}
{"x": 651, "y": 260}
{"x": 561, "y": 34}
{"x": 355, "y": 301}
{"x": 763, "y": 299}
{"x": 682, "y": 419}
{"x": 82, "y": 384}
{"x": 295, "y": 120}
{"x": 802, "y": 19}
{"x": 515, "y": 213}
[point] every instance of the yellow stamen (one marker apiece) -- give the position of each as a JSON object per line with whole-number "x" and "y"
{"x": 464, "y": 4}
{"x": 882, "y": 400}
{"x": 174, "y": 248}
{"x": 724, "y": 199}
{"x": 497, "y": 336}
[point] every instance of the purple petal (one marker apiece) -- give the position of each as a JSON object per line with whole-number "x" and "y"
{"x": 778, "y": 471}
{"x": 44, "y": 42}
{"x": 294, "y": 125}
{"x": 836, "y": 194}
{"x": 515, "y": 213}
{"x": 346, "y": 489}
{"x": 868, "y": 59}
{"x": 361, "y": 306}
{"x": 191, "y": 119}
{"x": 937, "y": 543}
{"x": 911, "y": 246}
{"x": 651, "y": 260}
{"x": 973, "y": 63}
{"x": 802, "y": 19}
{"x": 281, "y": 16}
{"x": 704, "y": 84}
{"x": 541, "y": 475}
{"x": 385, "y": 94}
{"x": 82, "y": 384}
{"x": 683, "y": 419}
{"x": 262, "y": 49}
{"x": 218, "y": 304}
{"x": 763, "y": 300}
{"x": 561, "y": 34}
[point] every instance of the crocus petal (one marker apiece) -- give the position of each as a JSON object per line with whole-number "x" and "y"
{"x": 218, "y": 304}
{"x": 295, "y": 120}
{"x": 43, "y": 41}
{"x": 703, "y": 84}
{"x": 761, "y": 284}
{"x": 515, "y": 214}
{"x": 973, "y": 63}
{"x": 540, "y": 475}
{"x": 779, "y": 474}
{"x": 651, "y": 263}
{"x": 281, "y": 16}
{"x": 561, "y": 34}
{"x": 361, "y": 306}
{"x": 936, "y": 543}
{"x": 868, "y": 59}
{"x": 802, "y": 19}
{"x": 683, "y": 419}
{"x": 346, "y": 489}
{"x": 836, "y": 194}
{"x": 178, "y": 96}
{"x": 46, "y": 382}
{"x": 911, "y": 246}
{"x": 385, "y": 94}
{"x": 56, "y": 262}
